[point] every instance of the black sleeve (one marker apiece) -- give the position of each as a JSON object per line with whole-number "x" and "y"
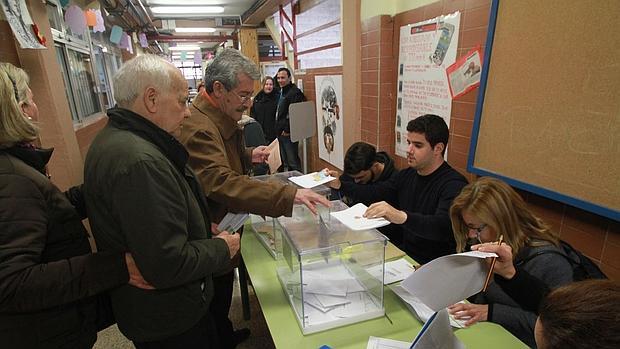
{"x": 525, "y": 289}
{"x": 371, "y": 192}
{"x": 26, "y": 284}
{"x": 75, "y": 196}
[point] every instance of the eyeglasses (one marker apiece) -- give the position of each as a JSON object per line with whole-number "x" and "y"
{"x": 243, "y": 99}
{"x": 478, "y": 230}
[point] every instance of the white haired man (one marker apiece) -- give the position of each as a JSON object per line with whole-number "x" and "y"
{"x": 143, "y": 198}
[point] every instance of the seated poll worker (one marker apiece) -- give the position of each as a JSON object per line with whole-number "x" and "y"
{"x": 422, "y": 193}
{"x": 486, "y": 209}
{"x": 219, "y": 156}
{"x": 143, "y": 198}
{"x": 578, "y": 315}
{"x": 364, "y": 165}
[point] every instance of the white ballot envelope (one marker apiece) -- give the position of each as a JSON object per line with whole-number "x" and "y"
{"x": 274, "y": 160}
{"x": 353, "y": 218}
{"x": 437, "y": 334}
{"x": 311, "y": 180}
{"x": 449, "y": 279}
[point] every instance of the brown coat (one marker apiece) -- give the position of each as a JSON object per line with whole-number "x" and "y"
{"x": 219, "y": 158}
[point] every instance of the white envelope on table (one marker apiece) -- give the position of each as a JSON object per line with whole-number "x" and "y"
{"x": 311, "y": 180}
{"x": 353, "y": 218}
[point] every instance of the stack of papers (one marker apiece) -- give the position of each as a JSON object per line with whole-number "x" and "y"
{"x": 394, "y": 271}
{"x": 233, "y": 221}
{"x": 311, "y": 180}
{"x": 354, "y": 219}
{"x": 449, "y": 279}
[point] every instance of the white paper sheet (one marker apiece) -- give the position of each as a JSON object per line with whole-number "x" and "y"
{"x": 437, "y": 334}
{"x": 384, "y": 343}
{"x": 394, "y": 271}
{"x": 420, "y": 309}
{"x": 311, "y": 180}
{"x": 274, "y": 160}
{"x": 331, "y": 301}
{"x": 353, "y": 218}
{"x": 448, "y": 279}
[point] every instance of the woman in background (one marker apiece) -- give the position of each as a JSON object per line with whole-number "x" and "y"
{"x": 48, "y": 276}
{"x": 486, "y": 209}
{"x": 264, "y": 109}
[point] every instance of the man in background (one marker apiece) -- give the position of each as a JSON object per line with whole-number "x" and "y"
{"x": 289, "y": 94}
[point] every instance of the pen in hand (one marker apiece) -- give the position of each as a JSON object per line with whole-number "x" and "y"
{"x": 486, "y": 282}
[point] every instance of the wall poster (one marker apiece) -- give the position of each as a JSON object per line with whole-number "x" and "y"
{"x": 426, "y": 49}
{"x": 329, "y": 118}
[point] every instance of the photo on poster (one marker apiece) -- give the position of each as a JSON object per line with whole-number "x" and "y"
{"x": 464, "y": 75}
{"x": 329, "y": 118}
{"x": 16, "y": 13}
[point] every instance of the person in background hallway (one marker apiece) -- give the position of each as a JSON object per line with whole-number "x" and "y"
{"x": 418, "y": 199}
{"x": 289, "y": 94}
{"x": 142, "y": 197}
{"x": 486, "y": 209}
{"x": 219, "y": 156}
{"x": 264, "y": 109}
{"x": 50, "y": 282}
{"x": 581, "y": 314}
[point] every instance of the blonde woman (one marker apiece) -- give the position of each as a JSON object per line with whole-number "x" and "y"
{"x": 486, "y": 209}
{"x": 48, "y": 275}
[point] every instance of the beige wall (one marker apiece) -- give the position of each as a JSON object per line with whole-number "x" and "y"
{"x": 371, "y": 8}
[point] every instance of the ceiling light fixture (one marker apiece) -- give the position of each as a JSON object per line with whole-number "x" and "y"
{"x": 186, "y": 9}
{"x": 194, "y": 30}
{"x": 184, "y": 48}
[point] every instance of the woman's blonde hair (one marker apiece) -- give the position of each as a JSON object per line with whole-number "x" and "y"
{"x": 15, "y": 126}
{"x": 498, "y": 206}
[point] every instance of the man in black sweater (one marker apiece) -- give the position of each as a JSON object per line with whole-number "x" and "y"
{"x": 421, "y": 195}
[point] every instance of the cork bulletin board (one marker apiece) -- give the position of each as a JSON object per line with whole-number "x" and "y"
{"x": 548, "y": 113}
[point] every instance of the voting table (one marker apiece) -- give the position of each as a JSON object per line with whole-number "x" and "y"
{"x": 404, "y": 326}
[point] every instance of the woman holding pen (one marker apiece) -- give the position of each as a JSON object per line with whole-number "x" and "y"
{"x": 486, "y": 209}
{"x": 578, "y": 315}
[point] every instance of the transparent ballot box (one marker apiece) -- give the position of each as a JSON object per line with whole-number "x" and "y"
{"x": 324, "y": 269}
{"x": 265, "y": 228}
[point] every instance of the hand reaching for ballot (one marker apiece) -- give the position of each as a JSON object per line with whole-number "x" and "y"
{"x": 504, "y": 266}
{"x": 310, "y": 199}
{"x": 387, "y": 211}
{"x": 135, "y": 277}
{"x": 471, "y": 312}
{"x": 260, "y": 154}
{"x": 335, "y": 184}
{"x": 232, "y": 240}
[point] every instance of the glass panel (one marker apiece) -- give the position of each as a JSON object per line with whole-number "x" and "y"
{"x": 53, "y": 16}
{"x": 104, "y": 86}
{"x": 82, "y": 82}
{"x": 62, "y": 62}
{"x": 319, "y": 59}
{"x": 316, "y": 16}
{"x": 323, "y": 37}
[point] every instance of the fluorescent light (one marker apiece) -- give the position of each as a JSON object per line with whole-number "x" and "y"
{"x": 186, "y": 9}
{"x": 194, "y": 30}
{"x": 184, "y": 48}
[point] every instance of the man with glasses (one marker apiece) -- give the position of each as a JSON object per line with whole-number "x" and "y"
{"x": 219, "y": 157}
{"x": 289, "y": 94}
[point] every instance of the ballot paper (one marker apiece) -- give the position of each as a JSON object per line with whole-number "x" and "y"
{"x": 233, "y": 221}
{"x": 437, "y": 334}
{"x": 274, "y": 160}
{"x": 394, "y": 271}
{"x": 383, "y": 343}
{"x": 353, "y": 218}
{"x": 420, "y": 309}
{"x": 311, "y": 180}
{"x": 449, "y": 279}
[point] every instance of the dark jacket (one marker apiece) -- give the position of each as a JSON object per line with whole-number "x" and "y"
{"x": 264, "y": 112}
{"x": 48, "y": 275}
{"x": 553, "y": 270}
{"x": 427, "y": 232}
{"x": 289, "y": 94}
{"x": 143, "y": 198}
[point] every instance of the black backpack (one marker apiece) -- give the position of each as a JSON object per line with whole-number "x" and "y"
{"x": 583, "y": 267}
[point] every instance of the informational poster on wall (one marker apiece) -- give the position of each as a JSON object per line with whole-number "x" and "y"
{"x": 426, "y": 49}
{"x": 329, "y": 118}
